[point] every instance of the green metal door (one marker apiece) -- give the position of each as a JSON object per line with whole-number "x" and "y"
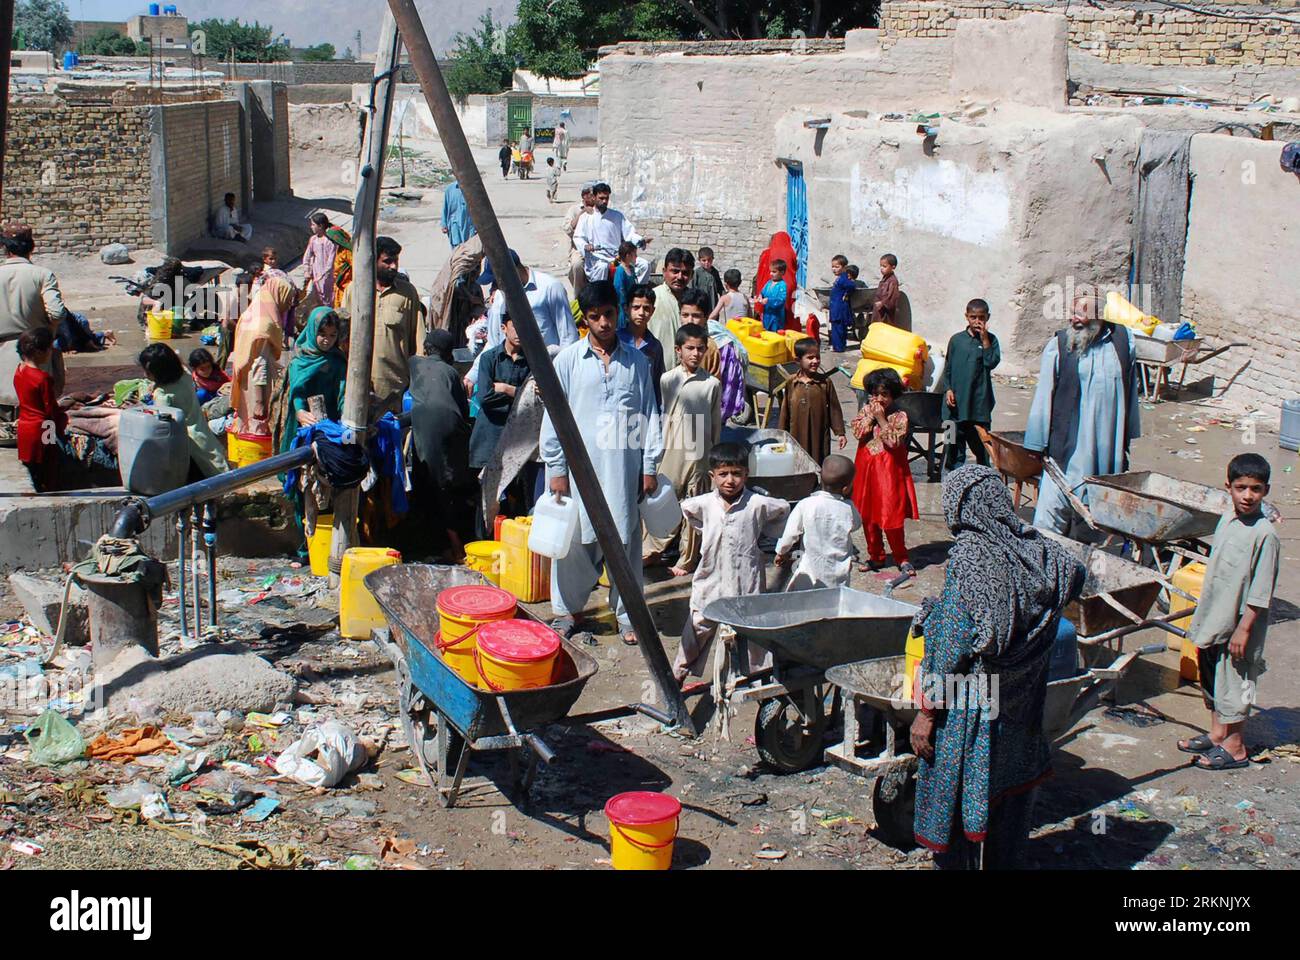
{"x": 519, "y": 117}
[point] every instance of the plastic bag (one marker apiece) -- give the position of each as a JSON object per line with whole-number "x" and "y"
{"x": 326, "y": 753}
{"x": 53, "y": 740}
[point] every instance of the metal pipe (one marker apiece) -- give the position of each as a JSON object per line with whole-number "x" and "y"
{"x": 365, "y": 214}
{"x": 557, "y": 406}
{"x": 196, "y": 523}
{"x": 183, "y": 529}
{"x": 210, "y": 545}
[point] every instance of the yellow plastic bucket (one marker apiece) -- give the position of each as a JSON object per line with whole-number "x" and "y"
{"x": 159, "y": 324}
{"x": 318, "y": 545}
{"x": 1190, "y": 578}
{"x": 515, "y": 655}
{"x": 642, "y": 829}
{"x": 485, "y": 556}
{"x": 246, "y": 449}
{"x": 913, "y": 653}
{"x": 462, "y": 611}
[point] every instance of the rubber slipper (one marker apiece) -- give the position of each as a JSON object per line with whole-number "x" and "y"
{"x": 564, "y": 626}
{"x": 630, "y": 640}
{"x": 1219, "y": 759}
{"x": 1201, "y": 744}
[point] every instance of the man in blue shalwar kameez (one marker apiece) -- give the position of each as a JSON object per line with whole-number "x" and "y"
{"x": 1085, "y": 410}
{"x": 456, "y": 223}
{"x": 608, "y": 386}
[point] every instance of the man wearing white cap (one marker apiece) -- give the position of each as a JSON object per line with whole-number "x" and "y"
{"x": 599, "y": 234}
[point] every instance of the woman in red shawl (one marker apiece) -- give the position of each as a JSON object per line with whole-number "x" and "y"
{"x": 780, "y": 249}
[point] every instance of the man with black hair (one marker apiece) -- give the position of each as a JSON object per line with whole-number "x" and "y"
{"x": 29, "y": 300}
{"x": 399, "y": 326}
{"x": 599, "y": 233}
{"x": 607, "y": 385}
{"x": 679, "y": 265}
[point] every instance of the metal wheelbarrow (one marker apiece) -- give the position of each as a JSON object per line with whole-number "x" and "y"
{"x": 792, "y": 486}
{"x": 445, "y": 719}
{"x": 807, "y": 632}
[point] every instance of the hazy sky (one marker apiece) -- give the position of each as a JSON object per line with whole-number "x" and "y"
{"x": 307, "y": 22}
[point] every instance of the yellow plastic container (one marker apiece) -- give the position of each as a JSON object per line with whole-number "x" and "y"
{"x": 895, "y": 345}
{"x": 1190, "y": 578}
{"x": 485, "y": 556}
{"x": 767, "y": 348}
{"x": 794, "y": 336}
{"x": 462, "y": 612}
{"x": 913, "y": 653}
{"x": 524, "y": 574}
{"x": 1120, "y": 310}
{"x": 745, "y": 327}
{"x": 318, "y": 545}
{"x": 159, "y": 324}
{"x": 359, "y": 613}
{"x": 910, "y": 376}
{"x": 246, "y": 449}
{"x": 642, "y": 829}
{"x": 515, "y": 655}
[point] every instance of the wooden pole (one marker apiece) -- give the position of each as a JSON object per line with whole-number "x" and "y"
{"x": 365, "y": 211}
{"x": 539, "y": 363}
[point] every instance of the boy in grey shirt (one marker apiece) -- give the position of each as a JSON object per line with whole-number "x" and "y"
{"x": 552, "y": 179}
{"x": 1232, "y": 617}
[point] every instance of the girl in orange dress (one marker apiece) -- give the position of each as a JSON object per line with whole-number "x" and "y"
{"x": 883, "y": 490}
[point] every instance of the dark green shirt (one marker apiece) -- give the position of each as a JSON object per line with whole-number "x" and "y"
{"x": 968, "y": 373}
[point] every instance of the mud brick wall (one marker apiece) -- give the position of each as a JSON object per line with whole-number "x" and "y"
{"x": 79, "y": 174}
{"x": 1129, "y": 33}
{"x": 281, "y": 121}
{"x": 735, "y": 243}
{"x": 203, "y": 156}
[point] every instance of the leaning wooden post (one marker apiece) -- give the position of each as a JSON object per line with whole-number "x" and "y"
{"x": 539, "y": 363}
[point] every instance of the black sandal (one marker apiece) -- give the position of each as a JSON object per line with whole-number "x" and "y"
{"x": 1200, "y": 744}
{"x": 1219, "y": 759}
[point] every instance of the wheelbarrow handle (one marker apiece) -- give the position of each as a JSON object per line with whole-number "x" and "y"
{"x": 539, "y": 747}
{"x": 656, "y": 715}
{"x": 1054, "y": 471}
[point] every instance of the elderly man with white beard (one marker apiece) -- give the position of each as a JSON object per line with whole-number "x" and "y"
{"x": 1085, "y": 410}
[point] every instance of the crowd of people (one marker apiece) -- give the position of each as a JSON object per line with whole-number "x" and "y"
{"x": 651, "y": 373}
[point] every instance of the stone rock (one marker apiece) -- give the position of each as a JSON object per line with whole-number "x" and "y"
{"x": 41, "y": 599}
{"x": 214, "y": 677}
{"x": 115, "y": 253}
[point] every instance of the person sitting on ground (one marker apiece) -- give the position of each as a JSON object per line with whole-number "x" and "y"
{"x": 76, "y": 336}
{"x": 208, "y": 377}
{"x": 732, "y": 305}
{"x": 731, "y": 520}
{"x": 228, "y": 222}
{"x": 825, "y": 522}
{"x": 172, "y": 388}
{"x": 810, "y": 409}
{"x": 1231, "y": 619}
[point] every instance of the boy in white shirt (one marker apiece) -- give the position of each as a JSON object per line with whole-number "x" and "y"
{"x": 825, "y": 522}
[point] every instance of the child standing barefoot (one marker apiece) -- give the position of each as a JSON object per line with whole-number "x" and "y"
{"x": 883, "y": 490}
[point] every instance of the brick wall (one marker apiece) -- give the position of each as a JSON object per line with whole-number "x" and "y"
{"x": 1127, "y": 33}
{"x": 736, "y": 243}
{"x": 204, "y": 161}
{"x": 79, "y": 174}
{"x": 281, "y": 120}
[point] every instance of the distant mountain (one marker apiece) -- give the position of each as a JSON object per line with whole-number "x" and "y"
{"x": 309, "y": 22}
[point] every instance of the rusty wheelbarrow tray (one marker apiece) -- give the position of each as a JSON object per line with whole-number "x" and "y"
{"x": 444, "y": 718}
{"x": 791, "y": 486}
{"x": 1155, "y": 508}
{"x": 1018, "y": 466}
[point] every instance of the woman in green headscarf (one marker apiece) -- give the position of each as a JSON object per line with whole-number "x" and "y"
{"x": 318, "y": 369}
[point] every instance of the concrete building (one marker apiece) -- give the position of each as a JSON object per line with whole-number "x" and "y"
{"x": 1029, "y": 190}
{"x": 168, "y": 31}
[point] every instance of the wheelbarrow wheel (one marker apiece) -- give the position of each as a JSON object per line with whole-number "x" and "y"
{"x": 893, "y": 802}
{"x": 420, "y": 724}
{"x": 788, "y": 740}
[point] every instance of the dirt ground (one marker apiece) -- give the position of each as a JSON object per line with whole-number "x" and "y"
{"x": 1123, "y": 797}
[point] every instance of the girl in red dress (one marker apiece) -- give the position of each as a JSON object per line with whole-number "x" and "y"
{"x": 40, "y": 421}
{"x": 883, "y": 490}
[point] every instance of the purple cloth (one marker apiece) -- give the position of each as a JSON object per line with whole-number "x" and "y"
{"x": 732, "y": 375}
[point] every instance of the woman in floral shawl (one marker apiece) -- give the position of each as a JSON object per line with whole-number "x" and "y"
{"x": 342, "y": 241}
{"x": 993, "y": 626}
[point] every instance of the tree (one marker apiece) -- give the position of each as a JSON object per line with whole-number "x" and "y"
{"x": 44, "y": 24}
{"x": 109, "y": 43}
{"x": 483, "y": 61}
{"x": 318, "y": 53}
{"x": 252, "y": 42}
{"x": 550, "y": 36}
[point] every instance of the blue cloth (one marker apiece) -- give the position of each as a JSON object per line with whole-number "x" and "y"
{"x": 654, "y": 352}
{"x": 385, "y": 449}
{"x": 841, "y": 311}
{"x": 774, "y": 293}
{"x": 455, "y": 216}
{"x": 623, "y": 284}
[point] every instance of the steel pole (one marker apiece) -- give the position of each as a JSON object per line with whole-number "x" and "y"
{"x": 539, "y": 363}
{"x": 356, "y": 399}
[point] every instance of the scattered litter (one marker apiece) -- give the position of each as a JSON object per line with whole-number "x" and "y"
{"x": 412, "y": 775}
{"x": 353, "y": 807}
{"x": 326, "y": 753}
{"x": 770, "y": 853}
{"x": 132, "y": 743}
{"x": 361, "y": 861}
{"x": 28, "y": 848}
{"x": 129, "y": 796}
{"x": 1137, "y": 715}
{"x": 53, "y": 740}
{"x": 1245, "y": 805}
{"x": 269, "y": 720}
{"x": 263, "y": 808}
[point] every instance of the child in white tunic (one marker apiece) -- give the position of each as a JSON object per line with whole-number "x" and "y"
{"x": 825, "y": 522}
{"x": 730, "y": 520}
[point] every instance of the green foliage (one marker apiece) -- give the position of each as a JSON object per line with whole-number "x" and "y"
{"x": 483, "y": 61}
{"x": 109, "y": 43}
{"x": 319, "y": 53}
{"x": 250, "y": 41}
{"x": 550, "y": 35}
{"x": 44, "y": 24}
